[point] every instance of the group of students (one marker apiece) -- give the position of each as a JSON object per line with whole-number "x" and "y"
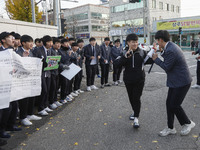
{"x": 71, "y": 51}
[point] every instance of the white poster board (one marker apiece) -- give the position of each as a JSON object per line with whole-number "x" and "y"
{"x": 69, "y": 74}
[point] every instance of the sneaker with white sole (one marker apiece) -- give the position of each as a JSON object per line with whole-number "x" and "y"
{"x": 196, "y": 86}
{"x": 58, "y": 103}
{"x": 43, "y": 113}
{"x": 63, "y": 101}
{"x": 93, "y": 87}
{"x": 53, "y": 106}
{"x": 116, "y": 83}
{"x": 74, "y": 94}
{"x": 136, "y": 123}
{"x": 187, "y": 128}
{"x": 131, "y": 117}
{"x": 80, "y": 91}
{"x": 33, "y": 117}
{"x": 26, "y": 122}
{"x": 119, "y": 81}
{"x": 71, "y": 96}
{"x": 89, "y": 89}
{"x": 68, "y": 99}
{"x": 47, "y": 109}
{"x": 167, "y": 131}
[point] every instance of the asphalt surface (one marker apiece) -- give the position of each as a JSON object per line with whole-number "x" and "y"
{"x": 99, "y": 120}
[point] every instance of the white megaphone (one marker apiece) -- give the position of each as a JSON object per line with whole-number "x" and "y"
{"x": 150, "y": 53}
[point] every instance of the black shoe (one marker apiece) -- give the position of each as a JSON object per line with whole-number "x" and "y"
{"x": 4, "y": 135}
{"x": 2, "y": 142}
{"x": 14, "y": 128}
{"x": 132, "y": 117}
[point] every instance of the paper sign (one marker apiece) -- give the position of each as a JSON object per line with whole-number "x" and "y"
{"x": 69, "y": 74}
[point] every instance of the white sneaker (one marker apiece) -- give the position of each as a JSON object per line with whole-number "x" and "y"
{"x": 47, "y": 109}
{"x": 80, "y": 91}
{"x": 119, "y": 81}
{"x": 26, "y": 122}
{"x": 58, "y": 103}
{"x": 196, "y": 86}
{"x": 43, "y": 113}
{"x": 93, "y": 87}
{"x": 74, "y": 94}
{"x": 68, "y": 99}
{"x": 71, "y": 96}
{"x": 116, "y": 83}
{"x": 53, "y": 106}
{"x": 167, "y": 131}
{"x": 77, "y": 92}
{"x": 33, "y": 117}
{"x": 136, "y": 123}
{"x": 89, "y": 89}
{"x": 63, "y": 101}
{"x": 187, "y": 128}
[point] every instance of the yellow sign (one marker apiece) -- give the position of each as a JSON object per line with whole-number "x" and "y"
{"x": 175, "y": 24}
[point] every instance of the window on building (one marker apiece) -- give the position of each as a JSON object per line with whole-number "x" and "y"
{"x": 167, "y": 7}
{"x": 130, "y": 23}
{"x": 161, "y": 5}
{"x": 154, "y": 19}
{"x": 172, "y": 8}
{"x": 82, "y": 29}
{"x": 118, "y": 24}
{"x": 76, "y": 17}
{"x": 129, "y": 6}
{"x": 177, "y": 9}
{"x": 153, "y": 3}
{"x": 99, "y": 16}
{"x": 99, "y": 28}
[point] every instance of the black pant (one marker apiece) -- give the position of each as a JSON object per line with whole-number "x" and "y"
{"x": 53, "y": 89}
{"x": 44, "y": 97}
{"x": 9, "y": 115}
{"x": 174, "y": 100}
{"x": 26, "y": 107}
{"x": 104, "y": 73}
{"x": 64, "y": 87}
{"x": 77, "y": 81}
{"x": 198, "y": 72}
{"x": 90, "y": 72}
{"x": 116, "y": 72}
{"x": 134, "y": 94}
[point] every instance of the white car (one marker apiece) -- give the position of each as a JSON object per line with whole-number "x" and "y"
{"x": 144, "y": 47}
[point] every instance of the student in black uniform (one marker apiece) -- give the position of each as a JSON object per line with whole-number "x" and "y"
{"x": 43, "y": 52}
{"x": 17, "y": 41}
{"x": 38, "y": 43}
{"x": 71, "y": 40}
{"x": 105, "y": 61}
{"x": 54, "y": 77}
{"x": 134, "y": 74}
{"x": 92, "y": 55}
{"x": 8, "y": 115}
{"x": 26, "y": 105}
{"x": 64, "y": 64}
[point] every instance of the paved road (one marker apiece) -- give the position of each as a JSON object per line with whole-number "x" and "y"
{"x": 98, "y": 120}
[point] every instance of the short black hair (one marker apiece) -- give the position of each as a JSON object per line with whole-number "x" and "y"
{"x": 4, "y": 35}
{"x": 92, "y": 39}
{"x": 46, "y": 39}
{"x": 74, "y": 44}
{"x": 80, "y": 41}
{"x": 64, "y": 40}
{"x": 61, "y": 37}
{"x": 162, "y": 34}
{"x": 12, "y": 33}
{"x": 72, "y": 39}
{"x": 107, "y": 39}
{"x": 56, "y": 40}
{"x": 38, "y": 40}
{"x": 117, "y": 40}
{"x": 26, "y": 38}
{"x": 131, "y": 37}
{"x": 17, "y": 36}
{"x": 199, "y": 33}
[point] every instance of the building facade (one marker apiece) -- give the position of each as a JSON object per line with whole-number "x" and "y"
{"x": 87, "y": 21}
{"x": 190, "y": 29}
{"x": 126, "y": 18}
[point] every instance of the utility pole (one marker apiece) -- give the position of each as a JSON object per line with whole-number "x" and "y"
{"x": 144, "y": 19}
{"x": 47, "y": 14}
{"x": 55, "y": 10}
{"x": 33, "y": 10}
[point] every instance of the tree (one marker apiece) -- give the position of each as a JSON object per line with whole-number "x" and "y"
{"x": 21, "y": 10}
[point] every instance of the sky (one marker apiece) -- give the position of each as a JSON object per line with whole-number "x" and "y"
{"x": 188, "y": 7}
